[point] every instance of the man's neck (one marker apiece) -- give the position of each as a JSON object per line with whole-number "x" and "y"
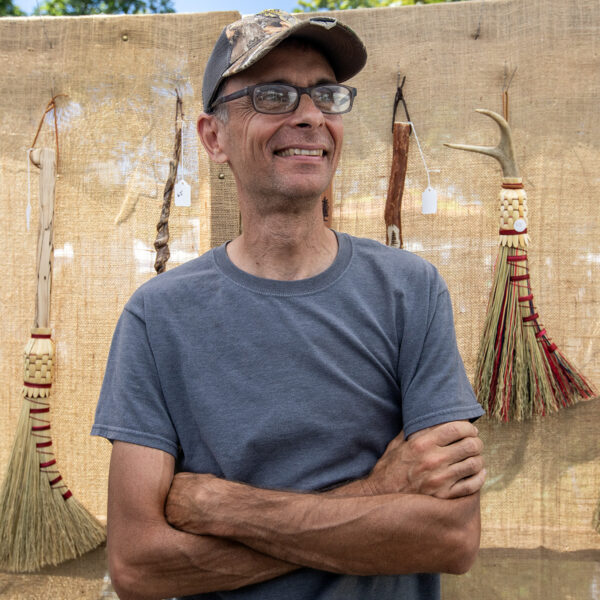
{"x": 285, "y": 247}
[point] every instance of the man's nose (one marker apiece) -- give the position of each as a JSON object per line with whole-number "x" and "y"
{"x": 307, "y": 114}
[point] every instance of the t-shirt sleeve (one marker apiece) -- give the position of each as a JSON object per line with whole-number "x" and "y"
{"x": 131, "y": 407}
{"x": 435, "y": 388}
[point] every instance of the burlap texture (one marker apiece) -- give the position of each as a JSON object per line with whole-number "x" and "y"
{"x": 116, "y": 135}
{"x": 116, "y": 138}
{"x": 544, "y": 476}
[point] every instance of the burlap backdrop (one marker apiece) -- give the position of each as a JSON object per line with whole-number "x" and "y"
{"x": 116, "y": 134}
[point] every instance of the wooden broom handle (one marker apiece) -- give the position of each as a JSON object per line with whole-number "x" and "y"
{"x": 393, "y": 224}
{"x": 45, "y": 159}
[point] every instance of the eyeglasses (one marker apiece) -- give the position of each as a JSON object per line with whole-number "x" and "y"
{"x": 279, "y": 98}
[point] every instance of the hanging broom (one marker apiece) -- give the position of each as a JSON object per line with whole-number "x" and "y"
{"x": 41, "y": 523}
{"x": 520, "y": 372}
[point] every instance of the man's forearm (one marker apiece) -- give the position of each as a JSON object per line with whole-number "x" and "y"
{"x": 362, "y": 535}
{"x": 168, "y": 562}
{"x": 417, "y": 511}
{"x": 149, "y": 559}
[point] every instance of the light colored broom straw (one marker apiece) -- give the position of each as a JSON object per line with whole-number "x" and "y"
{"x": 41, "y": 522}
{"x": 519, "y": 372}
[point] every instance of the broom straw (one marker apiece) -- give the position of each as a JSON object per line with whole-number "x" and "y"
{"x": 41, "y": 522}
{"x": 520, "y": 372}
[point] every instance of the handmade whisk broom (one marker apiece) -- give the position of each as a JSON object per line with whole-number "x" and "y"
{"x": 41, "y": 522}
{"x": 520, "y": 372}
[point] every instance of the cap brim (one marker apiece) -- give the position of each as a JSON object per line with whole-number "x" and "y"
{"x": 343, "y": 49}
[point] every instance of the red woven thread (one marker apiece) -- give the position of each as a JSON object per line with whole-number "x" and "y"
{"x": 41, "y": 336}
{"x": 67, "y": 494}
{"x": 40, "y": 428}
{"x": 43, "y": 386}
{"x": 540, "y": 334}
{"x": 519, "y": 277}
{"x": 56, "y": 480}
{"x": 516, "y": 258}
{"x": 37, "y": 411}
{"x": 48, "y": 464}
{"x": 512, "y": 186}
{"x": 532, "y": 317}
{"x": 43, "y": 444}
{"x": 512, "y": 231}
{"x": 526, "y": 298}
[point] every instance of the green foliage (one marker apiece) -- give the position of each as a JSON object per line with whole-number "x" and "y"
{"x": 322, "y": 5}
{"x": 96, "y": 7}
{"x": 8, "y": 9}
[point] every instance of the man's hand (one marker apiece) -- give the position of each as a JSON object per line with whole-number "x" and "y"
{"x": 187, "y": 506}
{"x": 443, "y": 461}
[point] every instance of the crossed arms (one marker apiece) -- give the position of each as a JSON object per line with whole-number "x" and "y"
{"x": 417, "y": 511}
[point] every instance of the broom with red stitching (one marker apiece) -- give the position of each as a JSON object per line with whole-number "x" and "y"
{"x": 41, "y": 522}
{"x": 520, "y": 372}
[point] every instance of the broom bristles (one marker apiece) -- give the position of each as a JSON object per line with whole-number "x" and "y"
{"x": 520, "y": 372}
{"x": 41, "y": 523}
{"x": 38, "y": 526}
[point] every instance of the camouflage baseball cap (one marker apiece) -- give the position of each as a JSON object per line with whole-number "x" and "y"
{"x": 245, "y": 42}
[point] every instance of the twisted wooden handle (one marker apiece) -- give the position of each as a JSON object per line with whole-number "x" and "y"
{"x": 45, "y": 159}
{"x": 393, "y": 204}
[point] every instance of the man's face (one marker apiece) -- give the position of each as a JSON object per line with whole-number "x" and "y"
{"x": 263, "y": 150}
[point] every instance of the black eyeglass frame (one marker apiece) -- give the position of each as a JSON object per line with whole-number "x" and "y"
{"x": 249, "y": 91}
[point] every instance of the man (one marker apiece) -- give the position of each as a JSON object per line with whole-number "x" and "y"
{"x": 259, "y": 396}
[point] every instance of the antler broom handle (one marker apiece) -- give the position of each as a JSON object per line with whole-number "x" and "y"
{"x": 513, "y": 199}
{"x": 503, "y": 152}
{"x": 45, "y": 159}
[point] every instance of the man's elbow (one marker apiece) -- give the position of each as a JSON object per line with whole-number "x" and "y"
{"x": 464, "y": 541}
{"x": 123, "y": 580}
{"x": 129, "y": 581}
{"x": 462, "y": 558}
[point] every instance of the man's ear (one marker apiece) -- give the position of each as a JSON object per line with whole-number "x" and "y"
{"x": 210, "y": 130}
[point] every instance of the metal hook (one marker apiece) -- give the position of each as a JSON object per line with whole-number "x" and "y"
{"x": 400, "y": 98}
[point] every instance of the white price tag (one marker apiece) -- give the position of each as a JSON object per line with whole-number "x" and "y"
{"x": 183, "y": 193}
{"x": 429, "y": 201}
{"x": 520, "y": 225}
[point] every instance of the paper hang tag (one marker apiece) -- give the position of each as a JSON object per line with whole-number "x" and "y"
{"x": 183, "y": 193}
{"x": 520, "y": 225}
{"x": 429, "y": 201}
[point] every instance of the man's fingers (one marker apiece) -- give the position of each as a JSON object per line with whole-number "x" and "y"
{"x": 443, "y": 483}
{"x": 468, "y": 485}
{"x": 463, "y": 449}
{"x": 446, "y": 433}
{"x": 467, "y": 468}
{"x": 449, "y": 433}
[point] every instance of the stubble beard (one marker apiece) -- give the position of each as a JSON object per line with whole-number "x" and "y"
{"x": 280, "y": 198}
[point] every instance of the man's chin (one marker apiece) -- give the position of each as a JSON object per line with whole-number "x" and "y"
{"x": 305, "y": 186}
{"x": 292, "y": 201}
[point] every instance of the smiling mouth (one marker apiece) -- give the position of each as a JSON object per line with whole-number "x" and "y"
{"x": 300, "y": 152}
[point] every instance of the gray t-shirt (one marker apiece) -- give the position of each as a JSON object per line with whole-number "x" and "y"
{"x": 296, "y": 385}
